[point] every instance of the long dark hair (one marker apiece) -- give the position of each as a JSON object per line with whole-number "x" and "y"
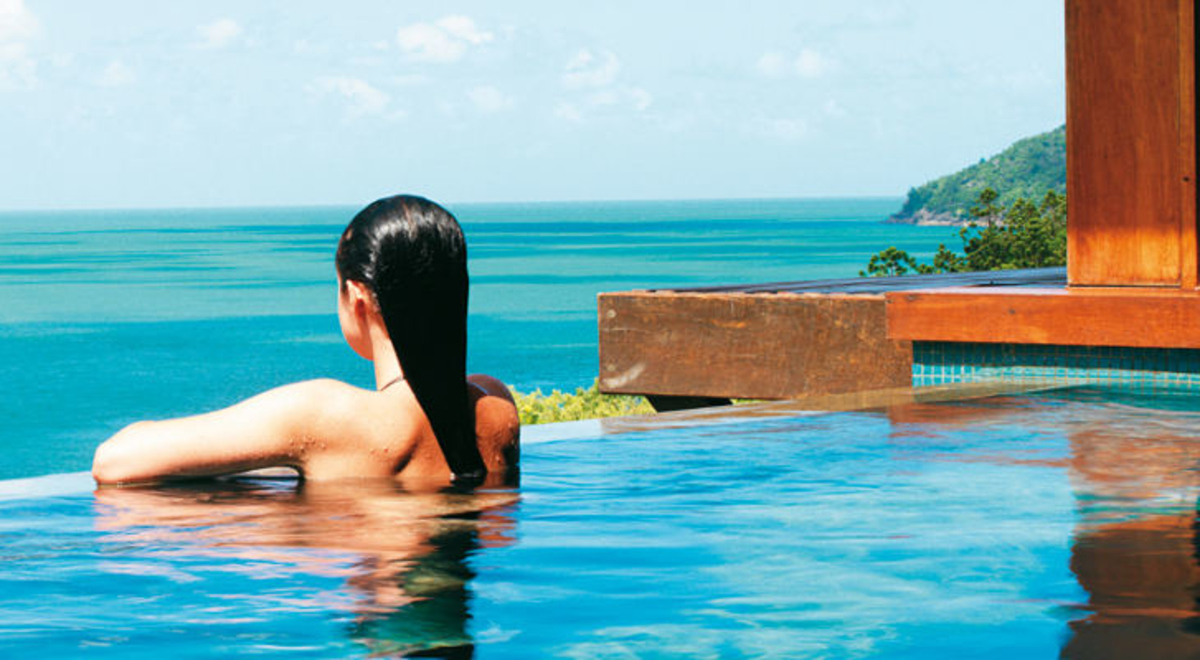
{"x": 410, "y": 253}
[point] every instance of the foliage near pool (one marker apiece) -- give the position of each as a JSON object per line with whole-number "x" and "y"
{"x": 557, "y": 406}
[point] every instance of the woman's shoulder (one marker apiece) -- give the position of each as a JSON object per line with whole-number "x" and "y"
{"x": 311, "y": 401}
{"x": 313, "y": 391}
{"x": 347, "y": 416}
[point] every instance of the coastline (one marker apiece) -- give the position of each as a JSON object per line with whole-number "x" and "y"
{"x": 926, "y": 218}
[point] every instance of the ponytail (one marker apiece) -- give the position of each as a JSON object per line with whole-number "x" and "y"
{"x": 411, "y": 254}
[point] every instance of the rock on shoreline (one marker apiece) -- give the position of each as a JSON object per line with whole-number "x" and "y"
{"x": 926, "y": 218}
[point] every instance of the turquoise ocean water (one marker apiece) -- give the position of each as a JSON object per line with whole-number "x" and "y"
{"x": 107, "y": 317}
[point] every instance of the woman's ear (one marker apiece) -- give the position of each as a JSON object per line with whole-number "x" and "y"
{"x": 355, "y": 306}
{"x": 361, "y": 301}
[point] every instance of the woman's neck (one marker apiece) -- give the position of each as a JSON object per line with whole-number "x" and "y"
{"x": 383, "y": 355}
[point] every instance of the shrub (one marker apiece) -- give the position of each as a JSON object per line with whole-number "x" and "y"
{"x": 538, "y": 408}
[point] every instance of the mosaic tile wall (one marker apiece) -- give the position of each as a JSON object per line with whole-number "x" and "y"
{"x": 938, "y": 363}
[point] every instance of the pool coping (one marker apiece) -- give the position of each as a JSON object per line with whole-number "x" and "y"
{"x": 76, "y": 483}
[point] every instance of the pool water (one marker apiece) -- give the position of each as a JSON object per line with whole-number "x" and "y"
{"x": 109, "y": 317}
{"x": 1029, "y": 525}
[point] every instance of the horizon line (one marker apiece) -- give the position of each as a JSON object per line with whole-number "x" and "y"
{"x": 630, "y": 200}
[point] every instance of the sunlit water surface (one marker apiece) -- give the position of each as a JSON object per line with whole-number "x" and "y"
{"x": 1009, "y": 527}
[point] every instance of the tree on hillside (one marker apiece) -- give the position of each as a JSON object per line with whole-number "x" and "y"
{"x": 1022, "y": 235}
{"x": 1023, "y": 170}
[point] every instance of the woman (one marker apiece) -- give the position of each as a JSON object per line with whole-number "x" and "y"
{"x": 402, "y": 303}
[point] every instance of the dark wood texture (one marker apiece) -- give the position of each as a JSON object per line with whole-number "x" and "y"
{"x": 758, "y": 346}
{"x": 1165, "y": 318}
{"x": 1130, "y": 70}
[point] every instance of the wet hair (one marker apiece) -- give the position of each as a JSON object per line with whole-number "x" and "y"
{"x": 410, "y": 253}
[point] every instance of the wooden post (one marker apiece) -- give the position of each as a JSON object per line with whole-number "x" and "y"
{"x": 1131, "y": 143}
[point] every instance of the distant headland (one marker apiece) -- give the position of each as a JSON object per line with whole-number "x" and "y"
{"x": 1029, "y": 168}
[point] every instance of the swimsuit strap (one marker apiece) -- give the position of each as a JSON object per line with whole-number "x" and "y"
{"x": 391, "y": 382}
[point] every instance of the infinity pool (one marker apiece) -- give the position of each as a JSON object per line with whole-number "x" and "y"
{"x": 1029, "y": 525}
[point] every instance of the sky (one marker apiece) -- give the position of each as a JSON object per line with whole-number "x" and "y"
{"x": 127, "y": 104}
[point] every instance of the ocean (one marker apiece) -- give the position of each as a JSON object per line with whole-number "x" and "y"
{"x": 107, "y": 317}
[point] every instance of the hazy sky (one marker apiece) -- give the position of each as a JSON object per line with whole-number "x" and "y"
{"x": 148, "y": 103}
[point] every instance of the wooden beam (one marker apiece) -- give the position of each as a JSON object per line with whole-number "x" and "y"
{"x": 756, "y": 346}
{"x": 1164, "y": 318}
{"x": 1189, "y": 248}
{"x": 1130, "y": 120}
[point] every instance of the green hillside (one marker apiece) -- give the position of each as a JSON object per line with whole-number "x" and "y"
{"x": 1027, "y": 169}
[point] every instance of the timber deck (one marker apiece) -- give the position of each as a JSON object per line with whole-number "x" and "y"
{"x": 779, "y": 340}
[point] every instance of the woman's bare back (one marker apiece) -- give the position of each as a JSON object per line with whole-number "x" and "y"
{"x": 324, "y": 429}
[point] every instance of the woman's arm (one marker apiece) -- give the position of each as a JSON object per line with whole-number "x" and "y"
{"x": 271, "y": 429}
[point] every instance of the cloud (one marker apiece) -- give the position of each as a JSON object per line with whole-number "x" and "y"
{"x": 603, "y": 102}
{"x": 219, "y": 34}
{"x": 786, "y": 129}
{"x": 772, "y": 65}
{"x": 362, "y": 99}
{"x": 463, "y": 28}
{"x": 410, "y": 79}
{"x": 443, "y": 41}
{"x": 303, "y": 47}
{"x": 834, "y": 109}
{"x": 569, "y": 112}
{"x": 490, "y": 99}
{"x": 809, "y": 63}
{"x": 592, "y": 77}
{"x": 633, "y": 97}
{"x": 116, "y": 74}
{"x": 587, "y": 70}
{"x": 790, "y": 129}
{"x": 18, "y": 70}
{"x": 604, "y": 97}
{"x": 640, "y": 98}
{"x": 17, "y": 23}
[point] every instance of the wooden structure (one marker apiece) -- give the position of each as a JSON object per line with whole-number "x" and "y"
{"x": 1073, "y": 316}
{"x": 1131, "y": 280}
{"x": 1131, "y": 143}
{"x": 1131, "y": 192}
{"x": 688, "y": 350}
{"x": 702, "y": 346}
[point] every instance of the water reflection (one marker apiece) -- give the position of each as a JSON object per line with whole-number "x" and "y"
{"x": 404, "y": 557}
{"x": 1136, "y": 547}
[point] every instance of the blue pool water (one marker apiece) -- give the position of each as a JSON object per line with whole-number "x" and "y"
{"x": 1062, "y": 522}
{"x": 107, "y": 317}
